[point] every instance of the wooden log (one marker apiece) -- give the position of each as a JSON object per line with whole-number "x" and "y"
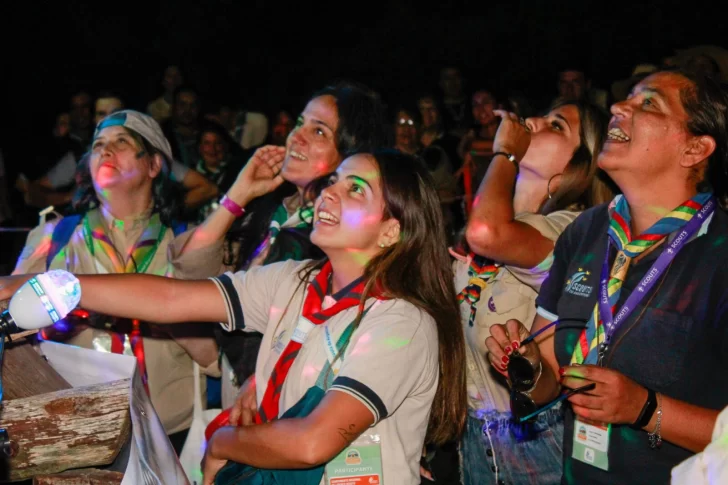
{"x": 89, "y": 476}
{"x": 75, "y": 428}
{"x": 26, "y": 373}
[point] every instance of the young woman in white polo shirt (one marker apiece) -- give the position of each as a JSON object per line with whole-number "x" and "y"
{"x": 381, "y": 327}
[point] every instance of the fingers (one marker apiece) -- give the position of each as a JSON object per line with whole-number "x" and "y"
{"x": 501, "y": 113}
{"x": 237, "y": 411}
{"x": 460, "y": 257}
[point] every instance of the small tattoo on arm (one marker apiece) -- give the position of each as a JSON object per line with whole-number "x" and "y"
{"x": 348, "y": 435}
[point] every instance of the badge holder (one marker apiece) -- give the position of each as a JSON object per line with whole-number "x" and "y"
{"x": 591, "y": 443}
{"x": 360, "y": 463}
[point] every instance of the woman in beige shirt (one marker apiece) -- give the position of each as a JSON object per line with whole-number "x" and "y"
{"x": 542, "y": 174}
{"x": 123, "y": 224}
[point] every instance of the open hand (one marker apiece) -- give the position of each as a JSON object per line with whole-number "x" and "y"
{"x": 261, "y": 175}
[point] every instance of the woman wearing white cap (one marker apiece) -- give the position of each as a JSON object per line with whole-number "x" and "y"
{"x": 124, "y": 223}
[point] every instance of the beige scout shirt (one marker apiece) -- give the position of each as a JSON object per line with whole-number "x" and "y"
{"x": 169, "y": 367}
{"x": 512, "y": 295}
{"x": 390, "y": 366}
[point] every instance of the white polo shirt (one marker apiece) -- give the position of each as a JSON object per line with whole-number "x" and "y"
{"x": 390, "y": 365}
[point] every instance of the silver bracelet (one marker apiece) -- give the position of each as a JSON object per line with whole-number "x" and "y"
{"x": 655, "y": 437}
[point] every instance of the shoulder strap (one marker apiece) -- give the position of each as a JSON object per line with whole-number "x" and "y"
{"x": 61, "y": 235}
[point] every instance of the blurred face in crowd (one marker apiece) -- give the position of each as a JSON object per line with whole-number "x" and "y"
{"x": 212, "y": 149}
{"x": 63, "y": 125}
{"x": 405, "y": 130}
{"x": 648, "y": 132}
{"x": 451, "y": 83}
{"x": 572, "y": 85}
{"x": 106, "y": 106}
{"x": 172, "y": 79}
{"x": 483, "y": 106}
{"x": 281, "y": 128}
{"x": 311, "y": 150}
{"x": 186, "y": 109}
{"x": 118, "y": 161}
{"x": 428, "y": 113}
{"x": 80, "y": 111}
{"x": 554, "y": 139}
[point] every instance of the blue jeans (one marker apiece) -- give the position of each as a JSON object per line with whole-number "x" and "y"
{"x": 525, "y": 454}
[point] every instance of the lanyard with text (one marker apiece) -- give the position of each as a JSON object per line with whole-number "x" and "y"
{"x": 612, "y": 321}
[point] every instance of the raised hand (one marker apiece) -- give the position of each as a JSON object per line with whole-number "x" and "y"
{"x": 261, "y": 175}
{"x": 513, "y": 135}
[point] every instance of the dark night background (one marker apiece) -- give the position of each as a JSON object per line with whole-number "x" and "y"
{"x": 266, "y": 55}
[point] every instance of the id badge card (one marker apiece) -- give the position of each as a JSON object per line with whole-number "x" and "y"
{"x": 591, "y": 443}
{"x": 360, "y": 463}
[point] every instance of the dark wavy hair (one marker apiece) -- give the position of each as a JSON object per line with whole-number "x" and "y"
{"x": 166, "y": 194}
{"x": 362, "y": 126}
{"x": 705, "y": 101}
{"x": 417, "y": 269}
{"x": 363, "y": 122}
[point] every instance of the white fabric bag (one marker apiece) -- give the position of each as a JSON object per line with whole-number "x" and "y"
{"x": 194, "y": 449}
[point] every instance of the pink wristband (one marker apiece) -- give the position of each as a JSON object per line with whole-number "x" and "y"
{"x": 232, "y": 206}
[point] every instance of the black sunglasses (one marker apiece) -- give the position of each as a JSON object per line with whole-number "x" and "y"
{"x": 523, "y": 377}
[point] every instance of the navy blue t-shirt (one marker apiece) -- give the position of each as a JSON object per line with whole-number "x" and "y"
{"x": 675, "y": 342}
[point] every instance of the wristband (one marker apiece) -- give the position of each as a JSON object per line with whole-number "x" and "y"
{"x": 232, "y": 206}
{"x": 511, "y": 158}
{"x": 647, "y": 410}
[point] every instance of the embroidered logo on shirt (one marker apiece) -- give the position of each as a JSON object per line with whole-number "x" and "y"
{"x": 576, "y": 284}
{"x": 491, "y": 304}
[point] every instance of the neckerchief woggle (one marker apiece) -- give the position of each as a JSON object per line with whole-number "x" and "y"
{"x": 704, "y": 205}
{"x": 481, "y": 272}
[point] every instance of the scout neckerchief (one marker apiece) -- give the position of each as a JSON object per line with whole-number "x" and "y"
{"x": 138, "y": 260}
{"x": 303, "y": 217}
{"x": 313, "y": 314}
{"x": 214, "y": 176}
{"x": 687, "y": 218}
{"x": 480, "y": 272}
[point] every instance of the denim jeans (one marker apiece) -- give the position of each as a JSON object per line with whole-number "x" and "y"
{"x": 525, "y": 454}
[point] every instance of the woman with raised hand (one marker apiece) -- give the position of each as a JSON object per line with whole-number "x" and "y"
{"x": 266, "y": 216}
{"x": 341, "y": 335}
{"x": 543, "y": 174}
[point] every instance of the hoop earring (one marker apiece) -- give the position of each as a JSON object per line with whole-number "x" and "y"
{"x": 548, "y": 184}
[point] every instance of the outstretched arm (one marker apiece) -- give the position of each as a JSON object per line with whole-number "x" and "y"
{"x": 152, "y": 298}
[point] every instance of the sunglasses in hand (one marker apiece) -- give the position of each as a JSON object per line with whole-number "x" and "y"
{"x": 523, "y": 377}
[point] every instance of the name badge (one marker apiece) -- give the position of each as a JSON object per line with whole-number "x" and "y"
{"x": 358, "y": 464}
{"x": 591, "y": 443}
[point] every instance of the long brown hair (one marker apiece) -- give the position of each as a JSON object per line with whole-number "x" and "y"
{"x": 583, "y": 184}
{"x": 417, "y": 269}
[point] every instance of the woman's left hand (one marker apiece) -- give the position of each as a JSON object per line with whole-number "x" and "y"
{"x": 616, "y": 398}
{"x": 210, "y": 467}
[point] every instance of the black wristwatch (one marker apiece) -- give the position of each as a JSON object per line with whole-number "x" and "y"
{"x": 647, "y": 410}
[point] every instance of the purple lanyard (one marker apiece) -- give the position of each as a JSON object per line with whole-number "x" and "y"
{"x": 612, "y": 322}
